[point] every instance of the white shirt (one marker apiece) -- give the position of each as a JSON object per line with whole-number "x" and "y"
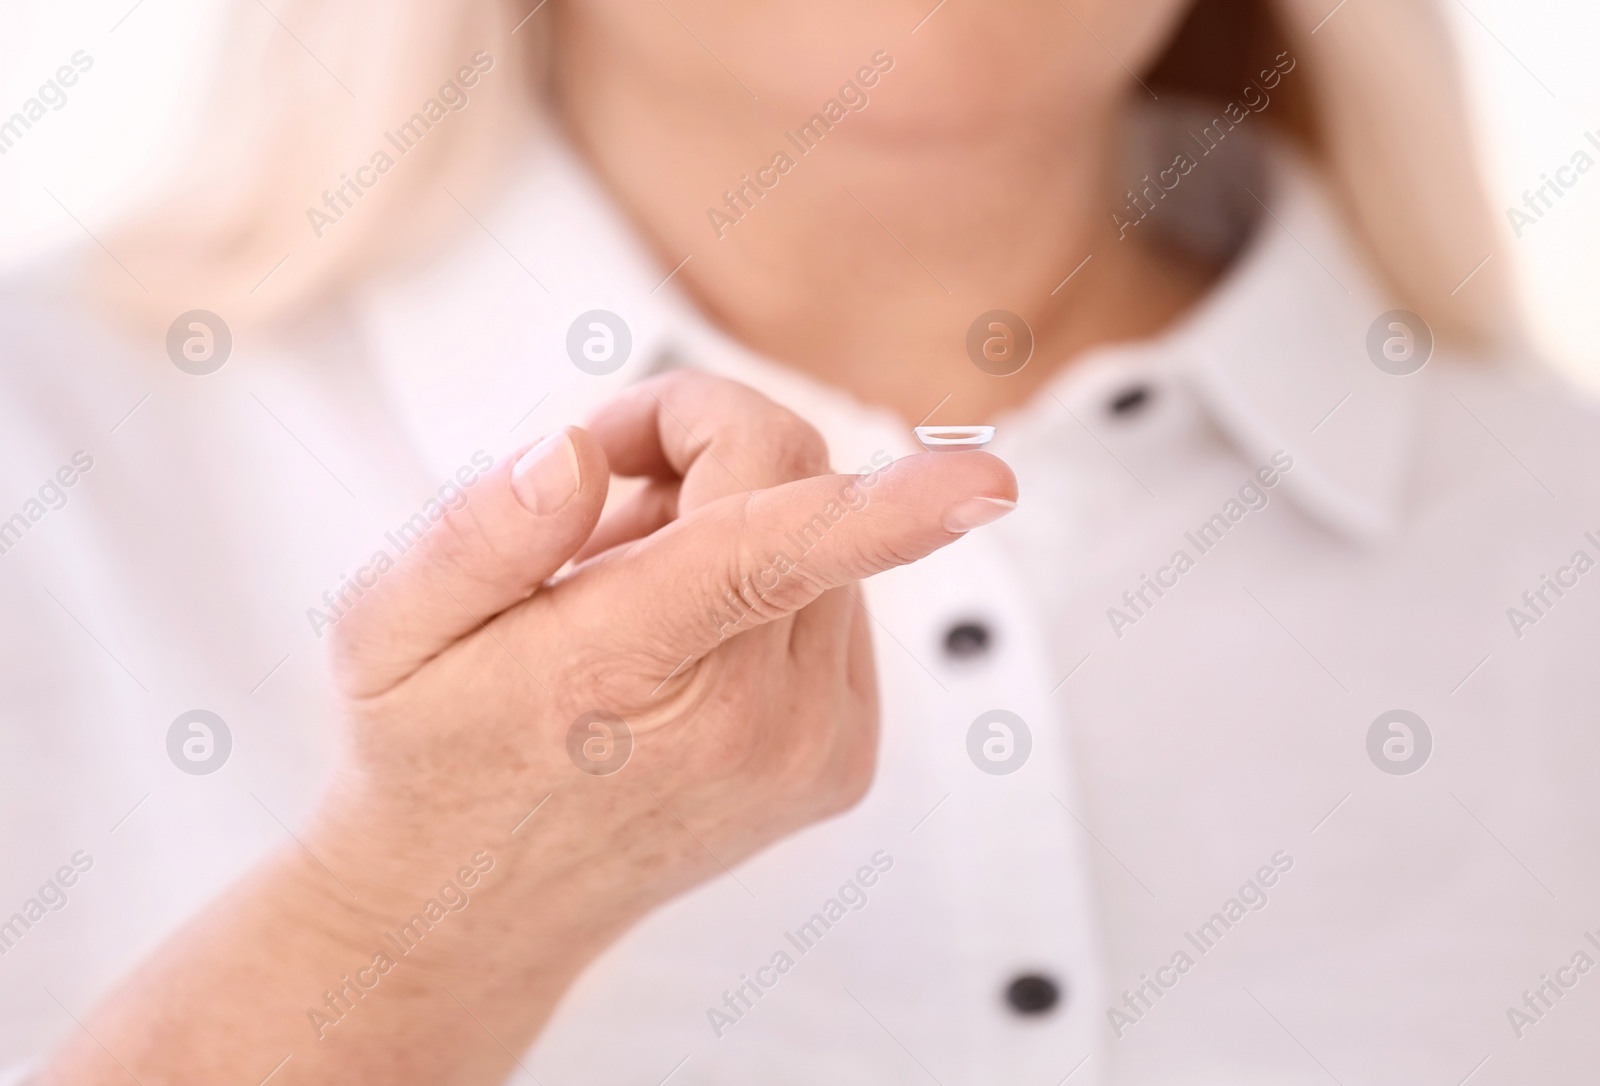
{"x": 1205, "y": 744}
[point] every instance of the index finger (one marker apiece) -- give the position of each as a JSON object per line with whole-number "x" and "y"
{"x": 751, "y": 560}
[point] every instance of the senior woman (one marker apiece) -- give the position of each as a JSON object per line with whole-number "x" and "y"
{"x": 358, "y": 733}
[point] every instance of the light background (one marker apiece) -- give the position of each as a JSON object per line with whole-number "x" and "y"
{"x": 1534, "y": 78}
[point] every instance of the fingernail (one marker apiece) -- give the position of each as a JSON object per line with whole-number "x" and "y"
{"x": 975, "y": 513}
{"x": 546, "y": 477}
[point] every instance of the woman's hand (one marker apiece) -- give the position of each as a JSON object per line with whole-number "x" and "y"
{"x": 699, "y": 684}
{"x": 739, "y": 666}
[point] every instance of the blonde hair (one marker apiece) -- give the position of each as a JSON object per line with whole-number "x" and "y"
{"x": 1400, "y": 155}
{"x": 318, "y": 89}
{"x": 310, "y": 96}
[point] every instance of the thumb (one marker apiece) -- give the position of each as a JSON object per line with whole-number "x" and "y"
{"x": 519, "y": 524}
{"x": 750, "y": 559}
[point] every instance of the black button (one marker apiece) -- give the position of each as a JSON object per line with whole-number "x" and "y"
{"x": 967, "y": 640}
{"x": 1131, "y": 401}
{"x": 1032, "y": 993}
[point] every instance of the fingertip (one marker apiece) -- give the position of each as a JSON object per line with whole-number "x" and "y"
{"x": 952, "y": 476}
{"x": 546, "y": 477}
{"x": 970, "y": 513}
{"x": 594, "y": 467}
{"x": 1002, "y": 480}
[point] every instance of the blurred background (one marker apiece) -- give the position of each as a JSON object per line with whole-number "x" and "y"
{"x": 1531, "y": 67}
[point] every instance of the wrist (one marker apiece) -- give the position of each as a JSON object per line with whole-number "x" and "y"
{"x": 484, "y": 884}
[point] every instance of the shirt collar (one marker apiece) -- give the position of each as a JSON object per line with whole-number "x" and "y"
{"x": 1279, "y": 356}
{"x": 472, "y": 349}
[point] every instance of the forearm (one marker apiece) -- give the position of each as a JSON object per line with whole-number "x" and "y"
{"x": 393, "y": 971}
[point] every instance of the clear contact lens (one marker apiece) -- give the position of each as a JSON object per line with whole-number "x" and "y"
{"x": 954, "y": 438}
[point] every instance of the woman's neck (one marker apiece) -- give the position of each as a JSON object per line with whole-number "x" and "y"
{"x": 864, "y": 258}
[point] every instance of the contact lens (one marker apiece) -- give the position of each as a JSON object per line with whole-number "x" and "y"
{"x": 954, "y": 438}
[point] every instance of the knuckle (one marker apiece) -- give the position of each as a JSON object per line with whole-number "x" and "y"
{"x": 809, "y": 457}
{"x": 795, "y": 448}
{"x": 763, "y": 585}
{"x": 888, "y": 553}
{"x": 782, "y": 437}
{"x": 687, "y": 382}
